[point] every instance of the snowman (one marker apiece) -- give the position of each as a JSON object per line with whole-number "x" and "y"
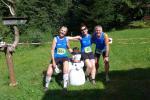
{"x": 76, "y": 73}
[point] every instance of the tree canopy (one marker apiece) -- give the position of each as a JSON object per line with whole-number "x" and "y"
{"x": 50, "y": 14}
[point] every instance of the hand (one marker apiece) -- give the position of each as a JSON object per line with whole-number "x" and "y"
{"x": 106, "y": 59}
{"x": 79, "y": 37}
{"x": 54, "y": 64}
{"x": 57, "y": 70}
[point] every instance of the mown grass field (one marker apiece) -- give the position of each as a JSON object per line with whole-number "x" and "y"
{"x": 129, "y": 72}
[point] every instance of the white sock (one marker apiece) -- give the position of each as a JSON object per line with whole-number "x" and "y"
{"x": 47, "y": 80}
{"x": 107, "y": 77}
{"x": 65, "y": 78}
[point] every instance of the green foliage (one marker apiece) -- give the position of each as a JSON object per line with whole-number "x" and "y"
{"x": 139, "y": 24}
{"x": 51, "y": 14}
{"x": 5, "y": 33}
{"x": 36, "y": 36}
{"x": 3, "y": 29}
{"x": 131, "y": 9}
{"x": 102, "y": 12}
{"x": 4, "y": 11}
{"x": 43, "y": 14}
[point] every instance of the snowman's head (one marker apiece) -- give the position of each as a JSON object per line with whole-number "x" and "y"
{"x": 76, "y": 54}
{"x": 76, "y": 50}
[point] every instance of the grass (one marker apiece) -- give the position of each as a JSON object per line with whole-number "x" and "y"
{"x": 129, "y": 72}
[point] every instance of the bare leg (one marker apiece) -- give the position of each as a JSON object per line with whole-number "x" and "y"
{"x": 48, "y": 76}
{"x": 97, "y": 63}
{"x": 106, "y": 68}
{"x": 89, "y": 67}
{"x": 65, "y": 73}
{"x": 106, "y": 65}
{"x": 93, "y": 72}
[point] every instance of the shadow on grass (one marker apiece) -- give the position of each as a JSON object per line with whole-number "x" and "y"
{"x": 125, "y": 85}
{"x": 73, "y": 95}
{"x": 133, "y": 74}
{"x": 131, "y": 84}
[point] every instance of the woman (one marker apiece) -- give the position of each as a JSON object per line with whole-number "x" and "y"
{"x": 86, "y": 53}
{"x": 59, "y": 48}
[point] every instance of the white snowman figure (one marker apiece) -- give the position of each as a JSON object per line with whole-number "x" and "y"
{"x": 76, "y": 73}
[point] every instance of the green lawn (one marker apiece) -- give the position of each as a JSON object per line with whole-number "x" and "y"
{"x": 129, "y": 72}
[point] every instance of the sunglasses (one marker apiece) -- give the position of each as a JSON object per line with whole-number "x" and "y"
{"x": 83, "y": 29}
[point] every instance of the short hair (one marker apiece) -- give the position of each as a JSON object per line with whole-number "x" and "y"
{"x": 83, "y": 26}
{"x": 64, "y": 27}
{"x": 98, "y": 26}
{"x": 75, "y": 49}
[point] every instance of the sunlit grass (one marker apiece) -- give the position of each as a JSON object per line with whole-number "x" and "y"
{"x": 129, "y": 72}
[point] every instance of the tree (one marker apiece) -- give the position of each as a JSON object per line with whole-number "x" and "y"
{"x": 9, "y": 49}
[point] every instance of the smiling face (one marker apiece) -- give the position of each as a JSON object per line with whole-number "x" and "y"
{"x": 63, "y": 31}
{"x": 98, "y": 30}
{"x": 84, "y": 30}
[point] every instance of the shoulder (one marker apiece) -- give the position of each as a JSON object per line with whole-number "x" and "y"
{"x": 89, "y": 35}
{"x": 67, "y": 38}
{"x": 105, "y": 35}
{"x": 55, "y": 39}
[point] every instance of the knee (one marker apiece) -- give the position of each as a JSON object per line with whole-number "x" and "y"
{"x": 89, "y": 66}
{"x": 65, "y": 70}
{"x": 106, "y": 62}
{"x": 49, "y": 71}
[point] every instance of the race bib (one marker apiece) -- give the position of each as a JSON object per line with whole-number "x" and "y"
{"x": 61, "y": 51}
{"x": 87, "y": 49}
{"x": 98, "y": 51}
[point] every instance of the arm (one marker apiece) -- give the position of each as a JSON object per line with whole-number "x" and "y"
{"x": 75, "y": 38}
{"x": 52, "y": 52}
{"x": 68, "y": 46}
{"x": 107, "y": 47}
{"x": 92, "y": 38}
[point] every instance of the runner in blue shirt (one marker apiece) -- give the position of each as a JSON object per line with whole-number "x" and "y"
{"x": 86, "y": 53}
{"x": 59, "y": 48}
{"x": 102, "y": 48}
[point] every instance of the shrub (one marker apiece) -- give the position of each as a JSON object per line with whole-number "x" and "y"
{"x": 139, "y": 24}
{"x": 5, "y": 33}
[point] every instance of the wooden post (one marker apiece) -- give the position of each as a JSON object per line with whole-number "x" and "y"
{"x": 9, "y": 59}
{"x": 10, "y": 65}
{"x": 9, "y": 49}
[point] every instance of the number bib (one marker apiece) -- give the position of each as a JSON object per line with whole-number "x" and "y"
{"x": 61, "y": 51}
{"x": 87, "y": 49}
{"x": 98, "y": 51}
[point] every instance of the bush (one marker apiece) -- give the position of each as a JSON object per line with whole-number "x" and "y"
{"x": 139, "y": 24}
{"x": 5, "y": 33}
{"x": 32, "y": 35}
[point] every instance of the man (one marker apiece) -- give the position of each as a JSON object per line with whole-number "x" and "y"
{"x": 102, "y": 48}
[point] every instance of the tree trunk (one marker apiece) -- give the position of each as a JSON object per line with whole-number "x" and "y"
{"x": 9, "y": 61}
{"x": 9, "y": 49}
